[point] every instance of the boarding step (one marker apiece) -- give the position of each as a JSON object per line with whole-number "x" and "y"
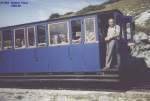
{"x": 110, "y": 71}
{"x": 97, "y": 76}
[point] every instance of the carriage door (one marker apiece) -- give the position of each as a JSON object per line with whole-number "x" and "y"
{"x": 103, "y": 27}
{"x": 76, "y": 47}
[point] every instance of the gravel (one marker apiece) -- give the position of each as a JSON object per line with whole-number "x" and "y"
{"x": 7, "y": 94}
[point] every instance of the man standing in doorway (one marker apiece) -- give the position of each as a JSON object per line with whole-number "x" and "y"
{"x": 112, "y": 44}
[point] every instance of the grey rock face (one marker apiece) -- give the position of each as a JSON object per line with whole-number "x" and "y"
{"x": 141, "y": 47}
{"x": 141, "y": 36}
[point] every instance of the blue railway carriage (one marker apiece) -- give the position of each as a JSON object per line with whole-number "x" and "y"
{"x": 63, "y": 45}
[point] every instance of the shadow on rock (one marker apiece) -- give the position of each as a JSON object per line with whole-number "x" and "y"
{"x": 134, "y": 70}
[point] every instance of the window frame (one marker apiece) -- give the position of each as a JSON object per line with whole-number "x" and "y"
{"x": 15, "y": 38}
{"x": 45, "y": 43}
{"x": 49, "y": 35}
{"x": 130, "y": 33}
{"x": 28, "y": 46}
{"x": 85, "y": 34}
{"x": 1, "y": 48}
{"x": 3, "y": 41}
{"x": 81, "y": 37}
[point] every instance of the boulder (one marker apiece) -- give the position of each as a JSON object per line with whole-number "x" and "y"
{"x": 141, "y": 37}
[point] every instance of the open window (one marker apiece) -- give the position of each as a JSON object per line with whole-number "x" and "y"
{"x": 31, "y": 36}
{"x": 0, "y": 40}
{"x": 7, "y": 37}
{"x": 90, "y": 35}
{"x": 19, "y": 38}
{"x": 41, "y": 35}
{"x": 58, "y": 33}
{"x": 128, "y": 28}
{"x": 76, "y": 31}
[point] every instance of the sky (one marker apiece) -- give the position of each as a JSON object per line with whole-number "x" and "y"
{"x": 38, "y": 10}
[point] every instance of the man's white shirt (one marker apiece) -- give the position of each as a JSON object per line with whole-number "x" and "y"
{"x": 113, "y": 31}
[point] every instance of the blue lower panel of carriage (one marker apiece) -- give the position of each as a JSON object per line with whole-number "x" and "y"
{"x": 65, "y": 58}
{"x": 6, "y": 61}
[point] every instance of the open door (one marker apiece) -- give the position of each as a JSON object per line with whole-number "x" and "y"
{"x": 103, "y": 27}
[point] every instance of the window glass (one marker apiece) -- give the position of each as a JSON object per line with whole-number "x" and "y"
{"x": 90, "y": 35}
{"x": 31, "y": 36}
{"x": 0, "y": 40}
{"x": 76, "y": 31}
{"x": 19, "y": 38}
{"x": 58, "y": 33}
{"x": 41, "y": 35}
{"x": 128, "y": 30}
{"x": 7, "y": 39}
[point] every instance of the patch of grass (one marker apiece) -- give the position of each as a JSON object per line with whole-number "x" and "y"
{"x": 128, "y": 7}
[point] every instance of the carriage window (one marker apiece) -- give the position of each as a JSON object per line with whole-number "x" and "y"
{"x": 128, "y": 30}
{"x": 7, "y": 37}
{"x": 41, "y": 35}
{"x": 0, "y": 40}
{"x": 58, "y": 33}
{"x": 76, "y": 31}
{"x": 19, "y": 38}
{"x": 31, "y": 36}
{"x": 90, "y": 35}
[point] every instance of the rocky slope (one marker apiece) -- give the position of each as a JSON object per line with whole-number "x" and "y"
{"x": 143, "y": 18}
{"x": 141, "y": 47}
{"x": 128, "y": 7}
